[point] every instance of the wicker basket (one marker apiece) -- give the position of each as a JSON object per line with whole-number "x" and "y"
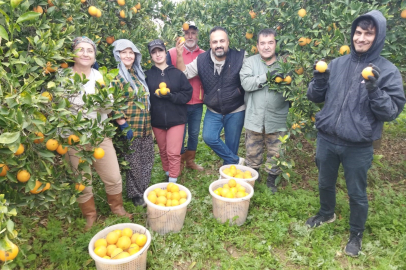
{"x": 227, "y": 209}
{"x": 251, "y": 181}
{"x": 166, "y": 219}
{"x": 138, "y": 261}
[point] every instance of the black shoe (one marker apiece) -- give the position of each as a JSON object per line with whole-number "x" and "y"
{"x": 270, "y": 182}
{"x": 318, "y": 220}
{"x": 354, "y": 245}
{"x": 138, "y": 200}
{"x": 259, "y": 175}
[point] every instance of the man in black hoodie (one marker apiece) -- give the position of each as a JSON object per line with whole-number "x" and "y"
{"x": 351, "y": 119}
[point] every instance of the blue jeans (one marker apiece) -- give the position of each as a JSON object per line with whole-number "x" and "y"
{"x": 194, "y": 117}
{"x": 232, "y": 124}
{"x": 356, "y": 161}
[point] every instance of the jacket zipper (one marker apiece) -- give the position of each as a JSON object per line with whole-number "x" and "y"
{"x": 346, "y": 96}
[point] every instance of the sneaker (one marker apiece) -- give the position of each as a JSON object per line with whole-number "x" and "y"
{"x": 241, "y": 161}
{"x": 270, "y": 182}
{"x": 138, "y": 200}
{"x": 354, "y": 245}
{"x": 318, "y": 220}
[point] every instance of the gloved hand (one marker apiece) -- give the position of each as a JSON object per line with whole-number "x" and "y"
{"x": 370, "y": 84}
{"x": 167, "y": 96}
{"x": 130, "y": 134}
{"x": 320, "y": 79}
{"x": 270, "y": 75}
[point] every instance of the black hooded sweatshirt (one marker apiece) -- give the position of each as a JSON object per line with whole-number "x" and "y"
{"x": 170, "y": 112}
{"x": 351, "y": 116}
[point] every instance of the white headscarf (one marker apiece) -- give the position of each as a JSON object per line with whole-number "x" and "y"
{"x": 123, "y": 44}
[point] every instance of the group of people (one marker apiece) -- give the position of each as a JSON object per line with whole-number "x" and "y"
{"x": 235, "y": 90}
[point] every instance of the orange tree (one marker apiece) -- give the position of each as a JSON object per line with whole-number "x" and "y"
{"x": 35, "y": 86}
{"x": 306, "y": 30}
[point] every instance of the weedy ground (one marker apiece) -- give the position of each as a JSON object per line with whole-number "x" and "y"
{"x": 274, "y": 235}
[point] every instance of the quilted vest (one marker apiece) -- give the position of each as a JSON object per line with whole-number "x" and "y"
{"x": 222, "y": 92}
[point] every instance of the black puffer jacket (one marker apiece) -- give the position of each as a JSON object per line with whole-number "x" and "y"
{"x": 351, "y": 116}
{"x": 166, "y": 113}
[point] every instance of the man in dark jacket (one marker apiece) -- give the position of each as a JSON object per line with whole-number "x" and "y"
{"x": 351, "y": 119}
{"x": 218, "y": 69}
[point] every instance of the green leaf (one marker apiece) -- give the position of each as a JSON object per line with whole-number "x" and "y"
{"x": 3, "y": 33}
{"x": 9, "y": 137}
{"x": 46, "y": 153}
{"x": 28, "y": 16}
{"x": 10, "y": 226}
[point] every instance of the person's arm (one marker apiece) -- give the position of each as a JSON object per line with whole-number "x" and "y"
{"x": 190, "y": 70}
{"x": 185, "y": 94}
{"x": 249, "y": 81}
{"x": 388, "y": 99}
{"x": 318, "y": 86}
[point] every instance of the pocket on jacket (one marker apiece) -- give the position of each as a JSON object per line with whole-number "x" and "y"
{"x": 235, "y": 95}
{"x": 211, "y": 100}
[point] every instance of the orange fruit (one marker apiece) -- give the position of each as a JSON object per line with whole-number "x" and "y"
{"x": 72, "y": 138}
{"x": 92, "y": 10}
{"x": 403, "y": 14}
{"x": 118, "y": 232}
{"x": 98, "y": 153}
{"x": 38, "y": 9}
{"x": 122, "y": 255}
{"x": 122, "y": 14}
{"x": 176, "y": 196}
{"x": 79, "y": 187}
{"x": 141, "y": 240}
{"x": 138, "y": 6}
{"x": 50, "y": 3}
{"x": 112, "y": 238}
{"x": 183, "y": 194}
{"x": 121, "y": 2}
{"x": 110, "y": 249}
{"x": 164, "y": 91}
{"x": 183, "y": 200}
{"x": 344, "y": 50}
{"x": 99, "y": 13}
{"x": 110, "y": 40}
{"x": 100, "y": 242}
{"x": 321, "y": 66}
{"x": 69, "y": 20}
{"x": 174, "y": 188}
{"x": 254, "y": 49}
{"x": 252, "y": 14}
{"x": 287, "y": 79}
{"x": 9, "y": 255}
{"x": 123, "y": 242}
{"x": 116, "y": 252}
{"x": 35, "y": 189}
{"x": 302, "y": 41}
{"x": 39, "y": 134}
{"x": 278, "y": 28}
{"x": 20, "y": 150}
{"x": 134, "y": 237}
{"x": 65, "y": 65}
{"x": 62, "y": 150}
{"x": 127, "y": 232}
{"x": 23, "y": 176}
{"x": 185, "y": 26}
{"x": 278, "y": 80}
{"x": 83, "y": 1}
{"x": 249, "y": 35}
{"x": 134, "y": 9}
{"x": 181, "y": 39}
{"x": 367, "y": 72}
{"x": 299, "y": 71}
{"x": 100, "y": 251}
{"x": 3, "y": 169}
{"x": 52, "y": 144}
{"x": 232, "y": 183}
{"x": 134, "y": 248}
{"x": 302, "y": 12}
{"x": 162, "y": 85}
{"x": 47, "y": 186}
{"x": 152, "y": 198}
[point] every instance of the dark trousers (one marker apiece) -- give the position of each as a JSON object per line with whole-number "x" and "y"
{"x": 356, "y": 161}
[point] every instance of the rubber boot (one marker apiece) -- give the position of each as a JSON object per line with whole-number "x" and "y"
{"x": 89, "y": 212}
{"x": 116, "y": 205}
{"x": 190, "y": 161}
{"x": 270, "y": 182}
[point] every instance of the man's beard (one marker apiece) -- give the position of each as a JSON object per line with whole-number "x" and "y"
{"x": 220, "y": 54}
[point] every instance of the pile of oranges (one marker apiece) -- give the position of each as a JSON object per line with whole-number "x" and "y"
{"x": 119, "y": 244}
{"x": 236, "y": 173}
{"x": 163, "y": 90}
{"x": 231, "y": 190}
{"x": 171, "y": 196}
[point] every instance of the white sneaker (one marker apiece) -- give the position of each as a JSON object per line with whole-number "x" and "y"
{"x": 241, "y": 161}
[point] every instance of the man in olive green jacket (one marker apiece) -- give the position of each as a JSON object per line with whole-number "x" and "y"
{"x": 266, "y": 111}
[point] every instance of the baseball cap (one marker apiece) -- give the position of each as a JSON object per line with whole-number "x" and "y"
{"x": 156, "y": 43}
{"x": 192, "y": 25}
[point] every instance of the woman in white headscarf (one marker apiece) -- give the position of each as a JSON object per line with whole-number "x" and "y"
{"x": 136, "y": 121}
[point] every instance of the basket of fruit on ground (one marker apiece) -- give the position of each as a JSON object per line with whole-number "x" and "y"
{"x": 239, "y": 172}
{"x": 166, "y": 206}
{"x": 231, "y": 200}
{"x": 121, "y": 247}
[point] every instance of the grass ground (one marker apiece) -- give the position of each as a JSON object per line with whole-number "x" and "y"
{"x": 274, "y": 235}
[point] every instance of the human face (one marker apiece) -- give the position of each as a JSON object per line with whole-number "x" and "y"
{"x": 266, "y": 46}
{"x": 191, "y": 36}
{"x": 219, "y": 44}
{"x": 86, "y": 55}
{"x": 363, "y": 39}
{"x": 127, "y": 56}
{"x": 158, "y": 55}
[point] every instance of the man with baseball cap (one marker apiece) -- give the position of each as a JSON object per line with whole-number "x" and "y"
{"x": 195, "y": 105}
